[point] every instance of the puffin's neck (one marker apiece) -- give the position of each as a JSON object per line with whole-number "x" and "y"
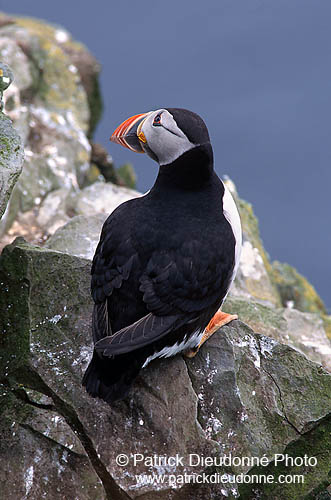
{"x": 192, "y": 170}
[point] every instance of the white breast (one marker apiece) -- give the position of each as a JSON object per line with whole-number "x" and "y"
{"x": 232, "y": 216}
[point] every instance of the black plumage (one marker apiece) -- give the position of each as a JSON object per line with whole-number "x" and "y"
{"x": 162, "y": 267}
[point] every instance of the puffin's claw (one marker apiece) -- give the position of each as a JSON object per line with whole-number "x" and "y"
{"x": 218, "y": 320}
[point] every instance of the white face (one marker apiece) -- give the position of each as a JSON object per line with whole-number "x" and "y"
{"x": 164, "y": 137}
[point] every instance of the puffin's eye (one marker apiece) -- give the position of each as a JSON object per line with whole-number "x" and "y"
{"x": 157, "y": 121}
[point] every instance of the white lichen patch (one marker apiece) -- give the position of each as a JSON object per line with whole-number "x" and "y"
{"x": 37, "y": 457}
{"x": 83, "y": 358}
{"x": 251, "y": 262}
{"x": 208, "y": 360}
{"x": 82, "y": 139}
{"x": 55, "y": 319}
{"x": 54, "y": 359}
{"x": 56, "y": 419}
{"x": 28, "y": 479}
{"x": 235, "y": 492}
{"x": 61, "y": 36}
{"x": 243, "y": 416}
{"x": 267, "y": 344}
{"x": 62, "y": 160}
{"x": 211, "y": 375}
{"x": 213, "y": 426}
{"x": 72, "y": 68}
{"x": 65, "y": 456}
{"x": 250, "y": 342}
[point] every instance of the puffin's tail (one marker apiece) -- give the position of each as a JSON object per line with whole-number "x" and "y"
{"x": 110, "y": 379}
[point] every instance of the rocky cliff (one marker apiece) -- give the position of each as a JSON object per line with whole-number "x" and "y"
{"x": 259, "y": 387}
{"x": 11, "y": 159}
{"x": 54, "y": 103}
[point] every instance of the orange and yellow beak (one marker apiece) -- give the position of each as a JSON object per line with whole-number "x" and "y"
{"x": 129, "y": 133}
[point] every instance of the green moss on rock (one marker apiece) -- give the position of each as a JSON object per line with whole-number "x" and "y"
{"x": 310, "y": 481}
{"x": 260, "y": 318}
{"x": 61, "y": 89}
{"x": 69, "y": 73}
{"x": 253, "y": 278}
{"x": 127, "y": 175}
{"x": 295, "y": 288}
{"x": 11, "y": 160}
{"x": 327, "y": 325}
{"x": 243, "y": 393}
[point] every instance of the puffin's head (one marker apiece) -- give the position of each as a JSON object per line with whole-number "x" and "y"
{"x": 164, "y": 134}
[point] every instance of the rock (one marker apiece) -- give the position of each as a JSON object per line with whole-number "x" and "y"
{"x": 254, "y": 274}
{"x": 313, "y": 484}
{"x": 53, "y": 211}
{"x": 103, "y": 162}
{"x": 127, "y": 174}
{"x": 327, "y": 325}
{"x": 79, "y": 236}
{"x": 94, "y": 203}
{"x": 11, "y": 160}
{"x": 99, "y": 198}
{"x": 305, "y": 332}
{"x": 55, "y": 104}
{"x": 6, "y": 78}
{"x": 244, "y": 393}
{"x": 88, "y": 69}
{"x": 295, "y": 290}
{"x": 50, "y": 103}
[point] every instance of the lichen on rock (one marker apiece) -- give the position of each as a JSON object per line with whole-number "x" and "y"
{"x": 11, "y": 160}
{"x": 50, "y": 105}
{"x": 55, "y": 104}
{"x": 253, "y": 278}
{"x": 295, "y": 290}
{"x": 244, "y": 393}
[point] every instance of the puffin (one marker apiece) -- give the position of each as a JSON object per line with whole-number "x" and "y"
{"x": 166, "y": 260}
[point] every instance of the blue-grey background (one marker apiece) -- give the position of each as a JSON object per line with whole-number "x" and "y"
{"x": 257, "y": 71}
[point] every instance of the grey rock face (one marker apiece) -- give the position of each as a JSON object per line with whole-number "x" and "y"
{"x": 243, "y": 393}
{"x": 253, "y": 279}
{"x": 305, "y": 332}
{"x": 79, "y": 236}
{"x": 295, "y": 291}
{"x": 99, "y": 198}
{"x": 11, "y": 160}
{"x": 93, "y": 204}
{"x": 53, "y": 103}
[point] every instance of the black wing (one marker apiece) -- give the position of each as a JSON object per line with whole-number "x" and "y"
{"x": 112, "y": 264}
{"x": 178, "y": 285}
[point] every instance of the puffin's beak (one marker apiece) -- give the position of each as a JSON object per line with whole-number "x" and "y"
{"x": 129, "y": 133}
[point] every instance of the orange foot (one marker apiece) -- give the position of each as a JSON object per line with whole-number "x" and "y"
{"x": 219, "y": 319}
